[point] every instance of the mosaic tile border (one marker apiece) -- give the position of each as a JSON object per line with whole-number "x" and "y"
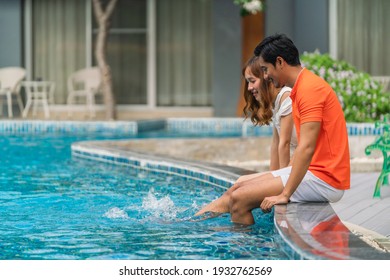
{"x": 235, "y": 126}
{"x": 215, "y": 126}
{"x": 36, "y": 127}
{"x": 151, "y": 125}
{"x": 245, "y": 128}
{"x": 363, "y": 129}
{"x": 202, "y": 173}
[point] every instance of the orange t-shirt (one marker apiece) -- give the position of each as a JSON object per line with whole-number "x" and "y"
{"x": 314, "y": 100}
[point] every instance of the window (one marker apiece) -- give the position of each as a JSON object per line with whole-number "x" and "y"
{"x": 183, "y": 52}
{"x": 127, "y": 51}
{"x": 176, "y": 48}
{"x": 363, "y": 34}
{"x": 57, "y": 41}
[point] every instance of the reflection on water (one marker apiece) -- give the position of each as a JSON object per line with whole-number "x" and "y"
{"x": 316, "y": 228}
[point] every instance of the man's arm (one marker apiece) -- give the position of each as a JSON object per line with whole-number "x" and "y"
{"x": 302, "y": 157}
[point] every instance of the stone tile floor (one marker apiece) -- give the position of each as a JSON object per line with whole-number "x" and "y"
{"x": 363, "y": 213}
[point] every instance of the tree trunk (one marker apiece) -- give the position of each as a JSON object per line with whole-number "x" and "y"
{"x": 103, "y": 20}
{"x": 252, "y": 27}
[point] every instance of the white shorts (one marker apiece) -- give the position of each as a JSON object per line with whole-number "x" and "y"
{"x": 311, "y": 189}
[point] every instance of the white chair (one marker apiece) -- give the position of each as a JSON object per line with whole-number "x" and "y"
{"x": 10, "y": 78}
{"x": 84, "y": 83}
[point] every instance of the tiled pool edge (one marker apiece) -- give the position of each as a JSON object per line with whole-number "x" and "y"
{"x": 236, "y": 126}
{"x": 207, "y": 173}
{"x": 217, "y": 176}
{"x": 38, "y": 126}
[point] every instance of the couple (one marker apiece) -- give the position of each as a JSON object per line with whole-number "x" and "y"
{"x": 319, "y": 170}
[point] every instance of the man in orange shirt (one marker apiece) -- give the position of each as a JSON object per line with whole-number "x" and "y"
{"x": 320, "y": 169}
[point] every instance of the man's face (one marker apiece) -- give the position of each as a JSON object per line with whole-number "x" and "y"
{"x": 272, "y": 72}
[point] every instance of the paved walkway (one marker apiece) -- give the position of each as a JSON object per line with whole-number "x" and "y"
{"x": 358, "y": 207}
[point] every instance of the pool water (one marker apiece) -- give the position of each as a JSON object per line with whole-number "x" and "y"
{"x": 56, "y": 207}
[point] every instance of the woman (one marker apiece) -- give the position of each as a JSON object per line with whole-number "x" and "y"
{"x": 264, "y": 104}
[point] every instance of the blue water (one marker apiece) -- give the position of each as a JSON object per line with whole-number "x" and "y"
{"x": 56, "y": 207}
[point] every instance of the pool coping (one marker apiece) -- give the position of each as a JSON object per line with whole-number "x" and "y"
{"x": 300, "y": 240}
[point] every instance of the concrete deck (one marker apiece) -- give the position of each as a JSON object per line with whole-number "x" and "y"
{"x": 358, "y": 207}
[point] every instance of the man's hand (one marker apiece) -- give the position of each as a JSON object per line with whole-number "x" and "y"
{"x": 268, "y": 202}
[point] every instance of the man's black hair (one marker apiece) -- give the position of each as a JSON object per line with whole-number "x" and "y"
{"x": 278, "y": 45}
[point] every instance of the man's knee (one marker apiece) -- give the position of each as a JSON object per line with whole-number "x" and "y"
{"x": 237, "y": 202}
{"x": 242, "y": 178}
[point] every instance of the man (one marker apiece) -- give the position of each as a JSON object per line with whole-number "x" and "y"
{"x": 320, "y": 169}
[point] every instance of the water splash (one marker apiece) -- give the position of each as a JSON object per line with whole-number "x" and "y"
{"x": 154, "y": 208}
{"x": 159, "y": 208}
{"x": 116, "y": 213}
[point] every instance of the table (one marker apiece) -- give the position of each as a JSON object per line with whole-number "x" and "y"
{"x": 38, "y": 92}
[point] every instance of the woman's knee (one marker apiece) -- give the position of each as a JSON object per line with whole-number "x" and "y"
{"x": 233, "y": 188}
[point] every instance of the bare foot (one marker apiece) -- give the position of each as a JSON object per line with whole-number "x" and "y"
{"x": 205, "y": 216}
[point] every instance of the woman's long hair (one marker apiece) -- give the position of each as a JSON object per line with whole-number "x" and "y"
{"x": 260, "y": 112}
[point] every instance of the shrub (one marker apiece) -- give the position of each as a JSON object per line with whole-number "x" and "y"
{"x": 362, "y": 98}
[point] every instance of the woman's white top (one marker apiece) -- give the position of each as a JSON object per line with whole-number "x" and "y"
{"x": 284, "y": 109}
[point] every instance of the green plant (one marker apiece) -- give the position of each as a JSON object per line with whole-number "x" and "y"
{"x": 362, "y": 98}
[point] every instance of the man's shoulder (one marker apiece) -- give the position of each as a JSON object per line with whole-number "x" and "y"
{"x": 311, "y": 82}
{"x": 309, "y": 77}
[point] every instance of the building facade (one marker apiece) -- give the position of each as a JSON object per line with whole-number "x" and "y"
{"x": 182, "y": 55}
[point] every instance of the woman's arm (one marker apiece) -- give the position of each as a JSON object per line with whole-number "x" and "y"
{"x": 274, "y": 163}
{"x": 286, "y": 128}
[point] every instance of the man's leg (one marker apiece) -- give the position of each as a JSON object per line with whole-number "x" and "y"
{"x": 221, "y": 205}
{"x": 250, "y": 195}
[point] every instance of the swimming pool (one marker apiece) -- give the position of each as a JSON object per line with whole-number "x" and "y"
{"x": 58, "y": 206}
{"x": 54, "y": 206}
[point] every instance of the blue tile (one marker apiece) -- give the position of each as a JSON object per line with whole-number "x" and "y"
{"x": 33, "y": 127}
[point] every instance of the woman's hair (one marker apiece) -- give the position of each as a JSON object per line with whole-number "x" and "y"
{"x": 260, "y": 112}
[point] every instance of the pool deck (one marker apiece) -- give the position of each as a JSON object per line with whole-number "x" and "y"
{"x": 358, "y": 219}
{"x": 359, "y": 208}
